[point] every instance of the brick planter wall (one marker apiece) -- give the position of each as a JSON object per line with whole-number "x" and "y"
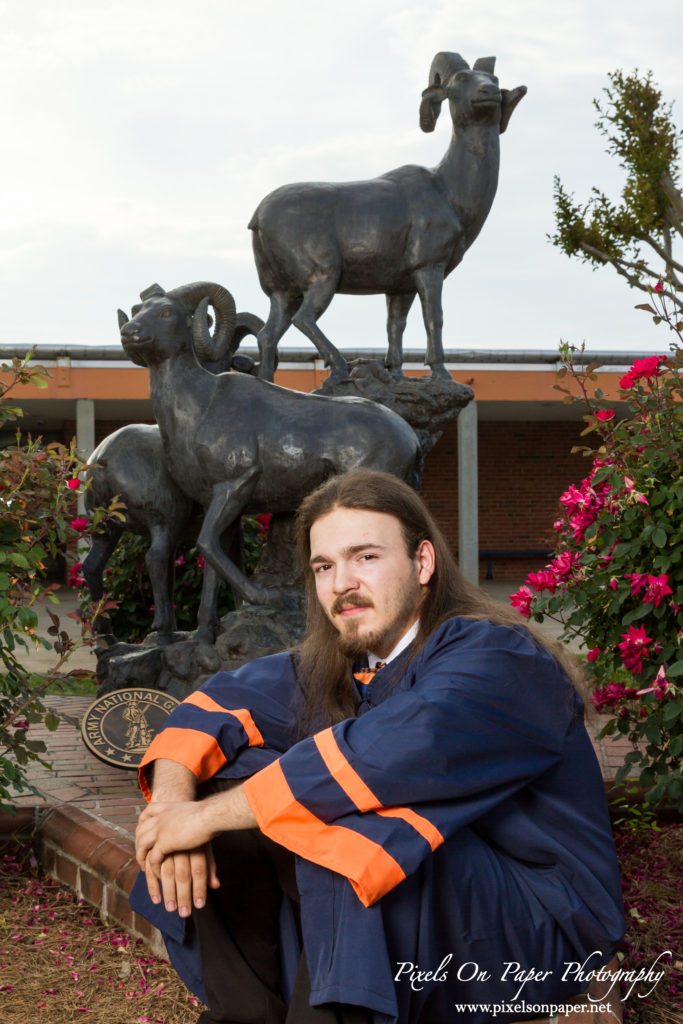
{"x": 97, "y": 862}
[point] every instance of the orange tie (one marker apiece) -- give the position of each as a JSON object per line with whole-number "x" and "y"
{"x": 368, "y": 674}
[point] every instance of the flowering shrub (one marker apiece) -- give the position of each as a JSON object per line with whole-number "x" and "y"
{"x": 616, "y": 582}
{"x": 38, "y": 504}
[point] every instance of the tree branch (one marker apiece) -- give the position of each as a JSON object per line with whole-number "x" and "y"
{"x": 618, "y": 264}
{"x": 664, "y": 252}
{"x": 620, "y": 267}
{"x": 671, "y": 262}
{"x": 674, "y": 196}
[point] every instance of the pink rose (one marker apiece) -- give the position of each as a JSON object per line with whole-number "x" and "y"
{"x": 521, "y": 600}
{"x": 634, "y": 647}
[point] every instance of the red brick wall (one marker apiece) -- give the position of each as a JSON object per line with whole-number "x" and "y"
{"x": 523, "y": 469}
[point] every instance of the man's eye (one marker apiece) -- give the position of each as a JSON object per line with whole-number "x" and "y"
{"x": 367, "y": 556}
{"x": 321, "y": 568}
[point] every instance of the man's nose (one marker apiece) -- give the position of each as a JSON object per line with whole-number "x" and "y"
{"x": 344, "y": 578}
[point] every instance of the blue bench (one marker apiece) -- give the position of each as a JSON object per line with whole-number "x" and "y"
{"x": 490, "y": 554}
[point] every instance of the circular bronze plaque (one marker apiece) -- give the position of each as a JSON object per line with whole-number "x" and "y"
{"x": 120, "y": 726}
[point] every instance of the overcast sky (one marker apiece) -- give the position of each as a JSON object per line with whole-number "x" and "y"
{"x": 141, "y": 134}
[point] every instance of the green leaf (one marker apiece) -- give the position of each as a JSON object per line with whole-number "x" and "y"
{"x": 637, "y": 613}
{"x": 16, "y": 558}
{"x": 652, "y": 731}
{"x": 659, "y": 537}
{"x": 672, "y": 711}
{"x": 27, "y": 617}
{"x": 675, "y": 670}
{"x": 676, "y": 746}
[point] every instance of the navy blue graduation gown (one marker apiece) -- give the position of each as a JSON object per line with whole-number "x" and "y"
{"x": 459, "y": 820}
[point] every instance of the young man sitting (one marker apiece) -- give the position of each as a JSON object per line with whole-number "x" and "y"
{"x": 414, "y": 784}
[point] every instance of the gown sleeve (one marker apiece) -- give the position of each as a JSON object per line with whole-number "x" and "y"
{"x": 240, "y": 718}
{"x": 372, "y": 797}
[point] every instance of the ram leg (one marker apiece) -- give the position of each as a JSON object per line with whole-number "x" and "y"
{"x": 161, "y": 569}
{"x": 207, "y": 616}
{"x": 94, "y": 564}
{"x": 398, "y": 307}
{"x": 316, "y": 300}
{"x": 227, "y": 505}
{"x": 429, "y": 286}
{"x": 279, "y": 319}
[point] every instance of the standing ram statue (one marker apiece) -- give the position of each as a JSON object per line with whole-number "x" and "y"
{"x": 400, "y": 234}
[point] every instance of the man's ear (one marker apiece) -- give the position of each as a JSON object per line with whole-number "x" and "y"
{"x": 425, "y": 560}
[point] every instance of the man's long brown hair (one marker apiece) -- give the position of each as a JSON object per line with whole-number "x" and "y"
{"x": 323, "y": 670}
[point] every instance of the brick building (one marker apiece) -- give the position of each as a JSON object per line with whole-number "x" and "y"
{"x": 493, "y": 480}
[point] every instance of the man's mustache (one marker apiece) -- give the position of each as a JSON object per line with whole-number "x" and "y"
{"x": 350, "y": 601}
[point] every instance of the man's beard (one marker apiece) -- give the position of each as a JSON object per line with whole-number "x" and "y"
{"x": 354, "y": 643}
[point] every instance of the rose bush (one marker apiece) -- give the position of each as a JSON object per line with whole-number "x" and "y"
{"x": 37, "y": 502}
{"x": 616, "y": 581}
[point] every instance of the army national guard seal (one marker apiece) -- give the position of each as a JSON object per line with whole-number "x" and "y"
{"x": 120, "y": 726}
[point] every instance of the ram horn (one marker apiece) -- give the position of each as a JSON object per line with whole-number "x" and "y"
{"x": 207, "y": 348}
{"x": 444, "y": 66}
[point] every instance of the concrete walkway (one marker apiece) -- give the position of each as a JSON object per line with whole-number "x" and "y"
{"x": 42, "y": 660}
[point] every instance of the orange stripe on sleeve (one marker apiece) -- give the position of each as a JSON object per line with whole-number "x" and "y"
{"x": 370, "y": 869}
{"x": 342, "y": 772}
{"x": 197, "y": 751}
{"x": 365, "y": 800}
{"x": 420, "y": 824}
{"x": 206, "y": 703}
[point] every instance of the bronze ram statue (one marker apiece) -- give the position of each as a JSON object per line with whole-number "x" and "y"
{"x": 130, "y": 465}
{"x": 400, "y": 234}
{"x": 237, "y": 444}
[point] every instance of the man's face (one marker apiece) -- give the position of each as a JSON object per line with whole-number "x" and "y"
{"x": 368, "y": 585}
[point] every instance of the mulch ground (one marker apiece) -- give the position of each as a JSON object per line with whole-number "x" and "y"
{"x": 59, "y": 963}
{"x": 651, "y": 866}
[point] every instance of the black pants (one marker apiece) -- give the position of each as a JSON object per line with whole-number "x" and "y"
{"x": 238, "y": 933}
